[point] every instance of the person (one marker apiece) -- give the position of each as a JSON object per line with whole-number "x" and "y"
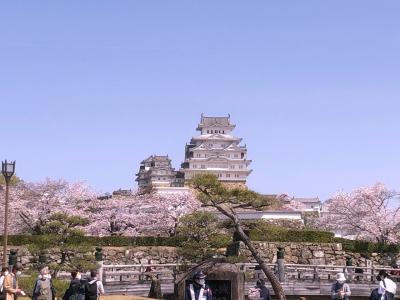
{"x": 340, "y": 289}
{"x": 44, "y": 289}
{"x": 260, "y": 292}
{"x": 387, "y": 288}
{"x": 11, "y": 283}
{"x": 4, "y": 272}
{"x": 264, "y": 292}
{"x": 148, "y": 270}
{"x": 198, "y": 290}
{"x": 359, "y": 270}
{"x": 94, "y": 287}
{"x": 76, "y": 289}
{"x": 396, "y": 271}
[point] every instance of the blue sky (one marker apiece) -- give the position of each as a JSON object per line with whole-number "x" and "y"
{"x": 90, "y": 88}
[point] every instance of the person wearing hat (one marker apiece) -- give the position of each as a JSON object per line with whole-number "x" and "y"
{"x": 44, "y": 289}
{"x": 387, "y": 287}
{"x": 198, "y": 289}
{"x": 340, "y": 289}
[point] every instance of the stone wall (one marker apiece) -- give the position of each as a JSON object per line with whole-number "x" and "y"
{"x": 296, "y": 253}
{"x": 111, "y": 255}
{"x": 315, "y": 254}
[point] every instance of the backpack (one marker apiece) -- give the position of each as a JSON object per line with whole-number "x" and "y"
{"x": 375, "y": 295}
{"x": 91, "y": 291}
{"x": 254, "y": 294}
{"x": 44, "y": 290}
{"x": 73, "y": 291}
{"x": 387, "y": 295}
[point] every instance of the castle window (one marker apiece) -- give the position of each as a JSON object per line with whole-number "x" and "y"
{"x": 236, "y": 156}
{"x": 203, "y": 166}
{"x": 232, "y": 166}
{"x": 240, "y": 166}
{"x": 236, "y": 175}
{"x": 220, "y": 175}
{"x": 228, "y": 175}
{"x": 208, "y": 131}
{"x": 198, "y": 155}
{"x": 223, "y": 131}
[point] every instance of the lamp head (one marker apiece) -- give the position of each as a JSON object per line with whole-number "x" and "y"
{"x": 8, "y": 169}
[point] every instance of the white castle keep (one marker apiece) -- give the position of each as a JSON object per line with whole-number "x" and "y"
{"x": 216, "y": 151}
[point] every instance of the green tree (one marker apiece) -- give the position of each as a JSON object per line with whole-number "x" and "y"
{"x": 14, "y": 180}
{"x": 212, "y": 193}
{"x": 201, "y": 236}
{"x": 64, "y": 232}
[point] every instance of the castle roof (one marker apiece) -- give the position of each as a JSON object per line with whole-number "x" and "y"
{"x": 215, "y": 121}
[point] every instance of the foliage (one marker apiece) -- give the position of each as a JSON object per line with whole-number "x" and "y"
{"x": 212, "y": 193}
{"x": 14, "y": 180}
{"x": 365, "y": 214}
{"x": 267, "y": 232}
{"x": 366, "y": 247}
{"x": 61, "y": 232}
{"x": 27, "y": 283}
{"x": 200, "y": 236}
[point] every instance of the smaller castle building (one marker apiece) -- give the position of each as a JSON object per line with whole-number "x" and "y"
{"x": 156, "y": 171}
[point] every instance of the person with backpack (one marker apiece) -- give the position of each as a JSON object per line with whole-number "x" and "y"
{"x": 44, "y": 289}
{"x": 94, "y": 288}
{"x": 387, "y": 287}
{"x": 76, "y": 289}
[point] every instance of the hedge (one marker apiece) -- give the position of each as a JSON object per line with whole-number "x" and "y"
{"x": 113, "y": 241}
{"x": 367, "y": 247}
{"x": 282, "y": 235}
{"x": 270, "y": 234}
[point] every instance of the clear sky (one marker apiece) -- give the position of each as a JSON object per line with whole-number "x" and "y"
{"x": 90, "y": 88}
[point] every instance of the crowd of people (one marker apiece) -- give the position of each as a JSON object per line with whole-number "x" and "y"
{"x": 91, "y": 288}
{"x": 79, "y": 288}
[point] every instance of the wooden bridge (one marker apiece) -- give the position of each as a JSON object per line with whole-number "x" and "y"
{"x": 299, "y": 280}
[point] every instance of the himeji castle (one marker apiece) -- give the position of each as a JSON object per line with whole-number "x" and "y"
{"x": 217, "y": 151}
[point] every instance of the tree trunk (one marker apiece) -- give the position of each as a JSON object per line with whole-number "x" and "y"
{"x": 276, "y": 285}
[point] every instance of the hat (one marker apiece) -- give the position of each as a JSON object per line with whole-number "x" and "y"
{"x": 199, "y": 274}
{"x": 340, "y": 277}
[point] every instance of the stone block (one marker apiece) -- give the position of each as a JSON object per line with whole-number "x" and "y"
{"x": 318, "y": 253}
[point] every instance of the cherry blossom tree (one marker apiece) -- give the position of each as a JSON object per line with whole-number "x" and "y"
{"x": 149, "y": 214}
{"x": 32, "y": 204}
{"x": 368, "y": 213}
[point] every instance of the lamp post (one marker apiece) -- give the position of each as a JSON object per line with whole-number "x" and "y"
{"x": 7, "y": 169}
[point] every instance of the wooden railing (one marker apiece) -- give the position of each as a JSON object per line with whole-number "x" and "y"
{"x": 292, "y": 272}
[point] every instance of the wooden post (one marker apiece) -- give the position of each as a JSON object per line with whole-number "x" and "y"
{"x": 281, "y": 264}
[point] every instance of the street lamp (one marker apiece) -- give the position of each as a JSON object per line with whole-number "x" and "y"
{"x": 7, "y": 169}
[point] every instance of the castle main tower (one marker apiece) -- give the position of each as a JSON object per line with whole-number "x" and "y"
{"x": 217, "y": 151}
